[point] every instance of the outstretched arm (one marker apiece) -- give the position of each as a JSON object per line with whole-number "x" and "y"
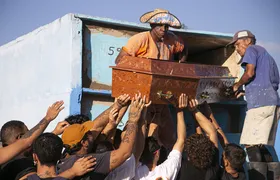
{"x": 8, "y": 152}
{"x": 205, "y": 108}
{"x": 141, "y": 136}
{"x": 203, "y": 122}
{"x": 181, "y": 126}
{"x": 120, "y": 155}
{"x": 102, "y": 120}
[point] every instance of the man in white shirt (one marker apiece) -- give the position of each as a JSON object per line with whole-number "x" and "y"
{"x": 148, "y": 169}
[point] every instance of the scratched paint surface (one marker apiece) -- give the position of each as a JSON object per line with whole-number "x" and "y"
{"x": 102, "y": 51}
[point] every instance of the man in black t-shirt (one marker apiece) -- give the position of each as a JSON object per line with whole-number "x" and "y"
{"x": 202, "y": 159}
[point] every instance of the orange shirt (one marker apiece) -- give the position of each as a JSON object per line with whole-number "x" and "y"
{"x": 142, "y": 45}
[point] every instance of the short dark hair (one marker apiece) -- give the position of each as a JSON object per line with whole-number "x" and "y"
{"x": 10, "y": 130}
{"x": 151, "y": 146}
{"x": 253, "y": 41}
{"x": 235, "y": 155}
{"x": 77, "y": 119}
{"x": 48, "y": 148}
{"x": 200, "y": 151}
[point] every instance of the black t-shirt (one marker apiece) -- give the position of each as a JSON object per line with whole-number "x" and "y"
{"x": 226, "y": 176}
{"x": 100, "y": 171}
{"x": 17, "y": 168}
{"x": 190, "y": 172}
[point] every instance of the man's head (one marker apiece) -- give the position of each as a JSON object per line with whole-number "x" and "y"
{"x": 47, "y": 149}
{"x": 78, "y": 138}
{"x": 12, "y": 131}
{"x": 151, "y": 152}
{"x": 233, "y": 156}
{"x": 160, "y": 21}
{"x": 242, "y": 40}
{"x": 200, "y": 150}
{"x": 77, "y": 119}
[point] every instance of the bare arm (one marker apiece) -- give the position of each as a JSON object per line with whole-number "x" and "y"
{"x": 206, "y": 109}
{"x": 203, "y": 122}
{"x": 181, "y": 126}
{"x": 121, "y": 54}
{"x": 102, "y": 120}
{"x": 110, "y": 129}
{"x": 80, "y": 167}
{"x": 246, "y": 77}
{"x": 8, "y": 152}
{"x": 126, "y": 147}
{"x": 141, "y": 136}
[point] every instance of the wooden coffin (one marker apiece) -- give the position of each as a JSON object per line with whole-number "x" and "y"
{"x": 164, "y": 81}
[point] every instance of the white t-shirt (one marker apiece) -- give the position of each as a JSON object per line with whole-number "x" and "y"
{"x": 126, "y": 171}
{"x": 167, "y": 170}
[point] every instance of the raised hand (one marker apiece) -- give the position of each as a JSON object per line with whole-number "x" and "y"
{"x": 54, "y": 110}
{"x": 183, "y": 101}
{"x": 113, "y": 115}
{"x": 192, "y": 105}
{"x": 136, "y": 107}
{"x": 205, "y": 109}
{"x": 122, "y": 100}
{"x": 144, "y": 112}
{"x": 83, "y": 165}
{"x": 60, "y": 127}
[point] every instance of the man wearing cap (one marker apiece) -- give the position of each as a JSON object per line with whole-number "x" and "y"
{"x": 158, "y": 43}
{"x": 78, "y": 142}
{"x": 261, "y": 80}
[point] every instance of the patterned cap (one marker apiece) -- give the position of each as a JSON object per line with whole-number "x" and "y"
{"x": 161, "y": 16}
{"x": 240, "y": 35}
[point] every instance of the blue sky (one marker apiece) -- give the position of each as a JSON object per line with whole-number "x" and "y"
{"x": 18, "y": 17}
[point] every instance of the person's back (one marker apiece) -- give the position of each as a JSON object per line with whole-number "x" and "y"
{"x": 262, "y": 89}
{"x": 100, "y": 171}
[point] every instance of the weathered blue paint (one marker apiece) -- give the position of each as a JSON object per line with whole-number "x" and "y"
{"x": 104, "y": 50}
{"x": 76, "y": 66}
{"x": 75, "y": 100}
{"x": 97, "y": 92}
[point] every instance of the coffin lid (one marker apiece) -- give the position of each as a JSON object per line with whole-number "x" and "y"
{"x": 172, "y": 69}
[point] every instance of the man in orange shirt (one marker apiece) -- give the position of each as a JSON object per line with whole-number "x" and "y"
{"x": 158, "y": 43}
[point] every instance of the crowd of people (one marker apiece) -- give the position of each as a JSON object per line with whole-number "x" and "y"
{"x": 148, "y": 148}
{"x": 98, "y": 150}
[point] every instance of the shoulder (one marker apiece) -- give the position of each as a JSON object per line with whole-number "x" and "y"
{"x": 142, "y": 35}
{"x": 255, "y": 49}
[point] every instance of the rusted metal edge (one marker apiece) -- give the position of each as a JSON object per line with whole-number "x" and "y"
{"x": 168, "y": 75}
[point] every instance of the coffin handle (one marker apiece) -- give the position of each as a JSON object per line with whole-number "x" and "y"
{"x": 205, "y": 95}
{"x": 167, "y": 95}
